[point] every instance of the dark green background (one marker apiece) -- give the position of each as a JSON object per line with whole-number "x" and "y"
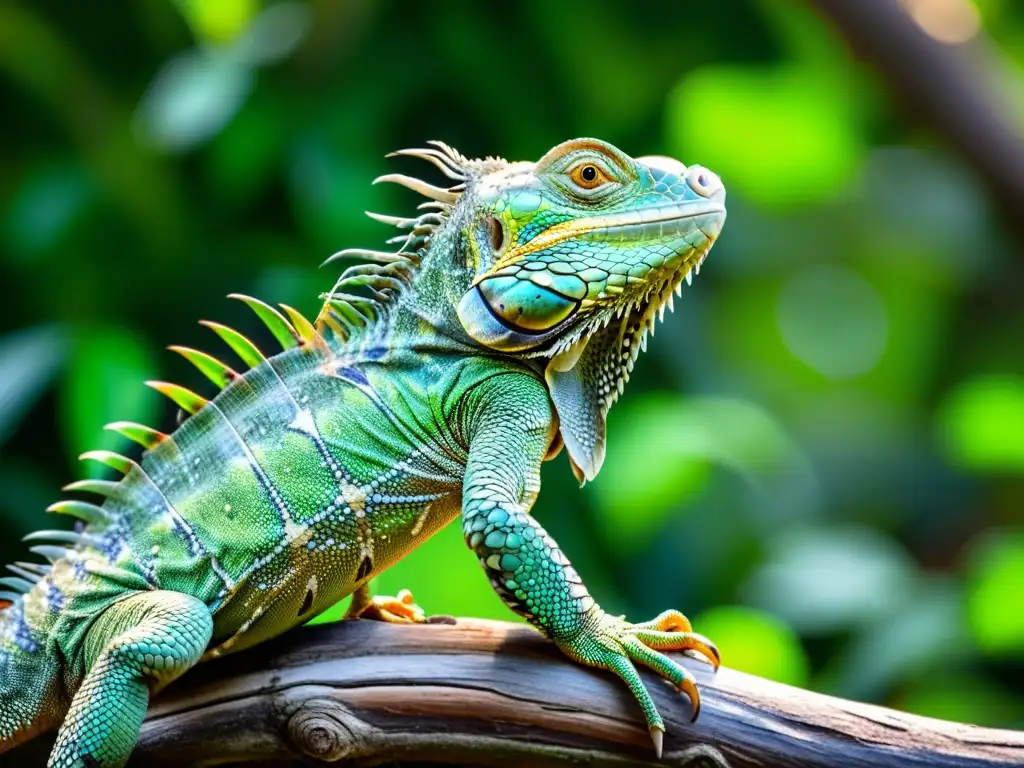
{"x": 821, "y": 457}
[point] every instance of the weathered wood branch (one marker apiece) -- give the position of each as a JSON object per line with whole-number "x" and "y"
{"x": 497, "y": 694}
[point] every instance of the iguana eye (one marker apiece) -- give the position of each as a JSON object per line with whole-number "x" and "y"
{"x": 588, "y": 176}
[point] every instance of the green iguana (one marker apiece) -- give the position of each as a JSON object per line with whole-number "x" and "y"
{"x": 433, "y": 383}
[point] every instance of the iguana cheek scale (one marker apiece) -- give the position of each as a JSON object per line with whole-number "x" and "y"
{"x": 432, "y": 385}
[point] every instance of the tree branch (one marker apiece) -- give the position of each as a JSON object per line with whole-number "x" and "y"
{"x": 497, "y": 694}
{"x": 935, "y": 84}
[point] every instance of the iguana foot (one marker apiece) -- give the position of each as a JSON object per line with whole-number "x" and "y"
{"x": 612, "y": 643}
{"x": 394, "y": 610}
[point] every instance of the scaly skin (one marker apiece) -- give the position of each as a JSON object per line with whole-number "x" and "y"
{"x": 435, "y": 381}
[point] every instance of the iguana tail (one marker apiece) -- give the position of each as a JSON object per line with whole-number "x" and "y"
{"x": 29, "y": 674}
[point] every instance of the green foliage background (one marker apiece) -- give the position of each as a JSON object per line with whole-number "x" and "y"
{"x": 821, "y": 457}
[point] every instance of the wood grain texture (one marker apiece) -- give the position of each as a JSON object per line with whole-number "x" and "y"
{"x": 498, "y": 694}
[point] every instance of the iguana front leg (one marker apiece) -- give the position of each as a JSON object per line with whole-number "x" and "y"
{"x": 510, "y": 436}
{"x": 136, "y": 647}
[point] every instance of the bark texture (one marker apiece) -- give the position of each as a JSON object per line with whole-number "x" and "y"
{"x": 497, "y": 694}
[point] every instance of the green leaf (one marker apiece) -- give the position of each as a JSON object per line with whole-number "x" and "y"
{"x": 963, "y": 698}
{"x": 28, "y": 360}
{"x": 220, "y": 21}
{"x": 993, "y": 599}
{"x": 44, "y": 208}
{"x": 981, "y": 424}
{"x": 661, "y": 450}
{"x": 191, "y": 99}
{"x": 755, "y": 642}
{"x": 783, "y": 136}
{"x": 806, "y": 577}
{"x": 104, "y": 384}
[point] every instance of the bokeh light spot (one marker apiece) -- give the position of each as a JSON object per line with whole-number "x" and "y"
{"x": 993, "y": 598}
{"x": 948, "y": 21}
{"x": 981, "y": 424}
{"x": 833, "y": 320}
{"x": 755, "y": 642}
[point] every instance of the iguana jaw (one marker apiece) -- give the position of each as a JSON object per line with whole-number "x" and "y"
{"x": 634, "y": 224}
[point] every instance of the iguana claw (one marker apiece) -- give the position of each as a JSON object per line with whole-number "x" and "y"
{"x": 612, "y": 643}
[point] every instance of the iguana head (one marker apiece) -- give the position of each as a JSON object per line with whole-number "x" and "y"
{"x": 575, "y": 258}
{"x": 571, "y": 260}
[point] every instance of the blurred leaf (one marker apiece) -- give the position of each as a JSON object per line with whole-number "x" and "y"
{"x": 274, "y": 34}
{"x": 245, "y": 157}
{"x": 961, "y": 697}
{"x": 44, "y": 208}
{"x": 328, "y": 189}
{"x": 28, "y": 360}
{"x": 191, "y": 99}
{"x": 782, "y": 136}
{"x": 832, "y": 320}
{"x": 661, "y": 450}
{"x": 755, "y": 642}
{"x": 981, "y": 424}
{"x": 828, "y": 579}
{"x": 924, "y": 632}
{"x": 220, "y": 21}
{"x": 994, "y": 584}
{"x": 104, "y": 384}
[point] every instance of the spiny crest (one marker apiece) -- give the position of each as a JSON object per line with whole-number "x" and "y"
{"x": 288, "y": 327}
{"x": 383, "y": 275}
{"x": 380, "y": 279}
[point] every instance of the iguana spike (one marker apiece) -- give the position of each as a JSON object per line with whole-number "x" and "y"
{"x": 111, "y": 459}
{"x": 395, "y": 221}
{"x": 186, "y": 399}
{"x": 145, "y": 436}
{"x": 346, "y": 312}
{"x": 444, "y": 208}
{"x": 212, "y": 368}
{"x": 65, "y": 537}
{"x": 328, "y": 319}
{"x": 8, "y": 599}
{"x": 457, "y": 158}
{"x": 416, "y": 185}
{"x": 385, "y": 257}
{"x": 51, "y": 553}
{"x": 303, "y": 327}
{"x": 17, "y": 584}
{"x": 245, "y": 349}
{"x": 81, "y": 510}
{"x": 284, "y": 333}
{"x": 36, "y": 568}
{"x": 103, "y": 488}
{"x": 17, "y": 570}
{"x": 378, "y": 281}
{"x": 440, "y": 160}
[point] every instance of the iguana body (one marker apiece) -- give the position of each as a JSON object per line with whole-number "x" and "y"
{"x": 504, "y": 327}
